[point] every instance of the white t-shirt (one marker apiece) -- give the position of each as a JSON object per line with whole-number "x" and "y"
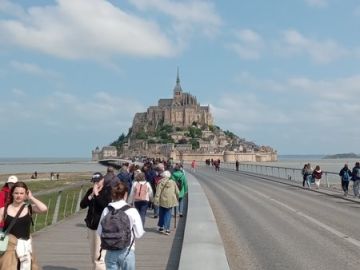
{"x": 135, "y": 220}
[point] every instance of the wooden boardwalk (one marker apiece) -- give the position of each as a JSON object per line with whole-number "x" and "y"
{"x": 64, "y": 246}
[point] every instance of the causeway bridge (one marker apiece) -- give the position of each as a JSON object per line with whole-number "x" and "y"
{"x": 235, "y": 220}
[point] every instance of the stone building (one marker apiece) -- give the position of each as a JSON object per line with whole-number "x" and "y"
{"x": 180, "y": 111}
{"x": 105, "y": 153}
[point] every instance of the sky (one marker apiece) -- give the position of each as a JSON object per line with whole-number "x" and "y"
{"x": 284, "y": 74}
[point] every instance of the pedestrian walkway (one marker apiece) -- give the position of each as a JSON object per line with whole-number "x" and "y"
{"x": 64, "y": 246}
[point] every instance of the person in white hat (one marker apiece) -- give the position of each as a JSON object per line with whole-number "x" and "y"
{"x": 5, "y": 191}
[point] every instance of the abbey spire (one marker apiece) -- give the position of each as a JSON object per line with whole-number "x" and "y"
{"x": 177, "y": 88}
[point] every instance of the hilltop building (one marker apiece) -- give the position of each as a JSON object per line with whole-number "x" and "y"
{"x": 180, "y": 111}
{"x": 163, "y": 131}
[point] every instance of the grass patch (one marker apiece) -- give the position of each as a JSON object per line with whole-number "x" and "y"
{"x": 68, "y": 203}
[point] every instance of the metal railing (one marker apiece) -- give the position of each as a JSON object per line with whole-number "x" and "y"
{"x": 293, "y": 174}
{"x": 60, "y": 203}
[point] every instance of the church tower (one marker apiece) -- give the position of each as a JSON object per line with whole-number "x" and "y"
{"x": 177, "y": 88}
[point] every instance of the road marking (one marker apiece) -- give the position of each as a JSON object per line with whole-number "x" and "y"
{"x": 346, "y": 237}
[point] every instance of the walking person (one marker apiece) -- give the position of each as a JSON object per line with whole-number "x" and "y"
{"x": 317, "y": 174}
{"x": 140, "y": 195}
{"x": 178, "y": 176}
{"x": 17, "y": 219}
{"x": 356, "y": 178}
{"x": 5, "y": 193}
{"x": 167, "y": 196}
{"x": 345, "y": 174}
{"x": 193, "y": 165}
{"x": 96, "y": 199}
{"x": 121, "y": 259}
{"x": 303, "y": 174}
{"x": 308, "y": 175}
{"x": 237, "y": 165}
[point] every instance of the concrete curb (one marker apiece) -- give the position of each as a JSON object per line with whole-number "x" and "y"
{"x": 202, "y": 245}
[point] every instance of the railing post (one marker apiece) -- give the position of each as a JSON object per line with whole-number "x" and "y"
{"x": 79, "y": 199}
{"x": 57, "y": 207}
{"x": 47, "y": 212}
{"x": 326, "y": 180}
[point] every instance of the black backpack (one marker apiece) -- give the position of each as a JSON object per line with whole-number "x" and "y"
{"x": 116, "y": 230}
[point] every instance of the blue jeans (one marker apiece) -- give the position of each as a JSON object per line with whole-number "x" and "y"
{"x": 142, "y": 207}
{"x": 115, "y": 260}
{"x": 156, "y": 210}
{"x": 356, "y": 188}
{"x": 180, "y": 208}
{"x": 164, "y": 217}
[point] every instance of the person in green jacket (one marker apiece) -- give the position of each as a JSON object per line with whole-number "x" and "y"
{"x": 178, "y": 176}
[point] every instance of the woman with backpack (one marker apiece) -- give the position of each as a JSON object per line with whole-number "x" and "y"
{"x": 119, "y": 225}
{"x": 345, "y": 174}
{"x": 140, "y": 195}
{"x": 17, "y": 217}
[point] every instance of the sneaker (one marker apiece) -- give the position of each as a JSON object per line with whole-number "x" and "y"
{"x": 167, "y": 232}
{"x": 155, "y": 216}
{"x": 181, "y": 215}
{"x": 161, "y": 229}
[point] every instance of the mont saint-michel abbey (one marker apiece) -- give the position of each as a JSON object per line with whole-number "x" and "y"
{"x": 180, "y": 111}
{"x": 181, "y": 129}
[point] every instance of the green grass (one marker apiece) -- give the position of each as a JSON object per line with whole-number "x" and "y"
{"x": 68, "y": 203}
{"x": 36, "y": 186}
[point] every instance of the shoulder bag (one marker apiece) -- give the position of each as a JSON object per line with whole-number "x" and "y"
{"x": 4, "y": 238}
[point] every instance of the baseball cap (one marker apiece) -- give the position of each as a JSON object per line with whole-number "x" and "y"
{"x": 96, "y": 177}
{"x": 12, "y": 179}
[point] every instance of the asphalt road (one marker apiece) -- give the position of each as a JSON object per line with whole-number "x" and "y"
{"x": 267, "y": 224}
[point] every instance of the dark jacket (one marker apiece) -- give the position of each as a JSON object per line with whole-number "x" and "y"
{"x": 342, "y": 172}
{"x": 355, "y": 173}
{"x": 95, "y": 206}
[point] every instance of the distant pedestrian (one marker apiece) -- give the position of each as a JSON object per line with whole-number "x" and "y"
{"x": 110, "y": 178}
{"x": 35, "y": 174}
{"x": 51, "y": 176}
{"x": 95, "y": 199}
{"x": 167, "y": 195}
{"x": 356, "y": 178}
{"x": 193, "y": 165}
{"x": 317, "y": 174}
{"x": 345, "y": 174}
{"x": 140, "y": 195}
{"x": 237, "y": 165}
{"x": 122, "y": 259}
{"x": 5, "y": 193}
{"x": 57, "y": 176}
{"x": 217, "y": 165}
{"x": 307, "y": 174}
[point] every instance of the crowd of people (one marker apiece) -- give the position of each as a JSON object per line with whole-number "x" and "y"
{"x": 313, "y": 176}
{"x": 157, "y": 185}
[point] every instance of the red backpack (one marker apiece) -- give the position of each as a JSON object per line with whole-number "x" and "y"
{"x": 141, "y": 191}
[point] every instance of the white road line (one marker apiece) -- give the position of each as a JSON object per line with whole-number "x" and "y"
{"x": 351, "y": 240}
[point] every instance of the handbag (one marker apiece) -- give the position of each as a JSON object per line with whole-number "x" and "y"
{"x": 4, "y": 237}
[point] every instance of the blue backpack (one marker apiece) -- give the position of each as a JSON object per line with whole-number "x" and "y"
{"x": 346, "y": 176}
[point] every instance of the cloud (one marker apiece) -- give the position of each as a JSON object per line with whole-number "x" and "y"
{"x": 65, "y": 30}
{"x": 304, "y": 113}
{"x": 248, "y": 45}
{"x": 317, "y": 3}
{"x": 322, "y": 52}
{"x": 186, "y": 15}
{"x": 64, "y": 111}
{"x": 33, "y": 69}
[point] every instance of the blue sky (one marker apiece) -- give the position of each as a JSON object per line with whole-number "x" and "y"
{"x": 282, "y": 73}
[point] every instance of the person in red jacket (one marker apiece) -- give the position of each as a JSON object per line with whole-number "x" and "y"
{"x": 5, "y": 192}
